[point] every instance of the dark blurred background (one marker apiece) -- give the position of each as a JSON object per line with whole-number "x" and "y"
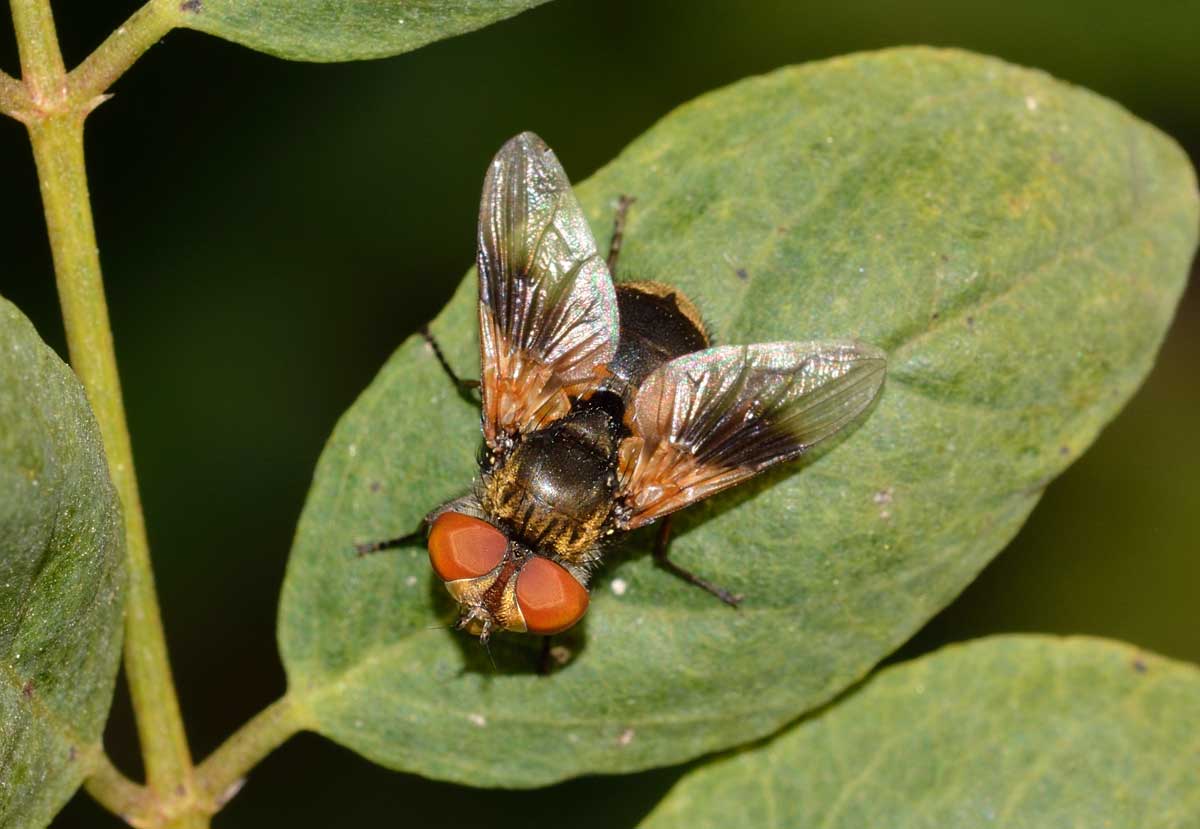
{"x": 270, "y": 231}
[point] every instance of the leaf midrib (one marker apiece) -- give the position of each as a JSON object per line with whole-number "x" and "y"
{"x": 1081, "y": 247}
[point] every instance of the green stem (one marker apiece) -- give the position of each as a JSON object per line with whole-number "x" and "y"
{"x": 41, "y": 61}
{"x": 57, "y": 137}
{"x": 115, "y": 792}
{"x": 220, "y": 776}
{"x": 120, "y": 50}
{"x": 14, "y": 100}
{"x": 54, "y": 105}
{"x": 58, "y": 150}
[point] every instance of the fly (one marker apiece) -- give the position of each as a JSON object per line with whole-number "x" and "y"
{"x": 604, "y": 408}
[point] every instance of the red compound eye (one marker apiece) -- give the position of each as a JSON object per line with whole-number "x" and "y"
{"x": 550, "y": 598}
{"x": 464, "y": 547}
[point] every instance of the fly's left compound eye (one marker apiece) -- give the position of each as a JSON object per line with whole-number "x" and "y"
{"x": 464, "y": 547}
{"x": 550, "y": 598}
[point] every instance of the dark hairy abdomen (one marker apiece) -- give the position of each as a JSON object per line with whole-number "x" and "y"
{"x": 656, "y": 326}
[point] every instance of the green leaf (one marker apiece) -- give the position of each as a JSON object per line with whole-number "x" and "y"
{"x": 334, "y": 30}
{"x": 1018, "y": 247}
{"x": 1020, "y": 731}
{"x": 62, "y": 552}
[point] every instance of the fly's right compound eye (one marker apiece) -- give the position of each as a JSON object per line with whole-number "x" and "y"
{"x": 464, "y": 547}
{"x": 550, "y": 598}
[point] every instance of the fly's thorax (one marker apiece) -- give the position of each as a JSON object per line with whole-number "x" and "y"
{"x": 554, "y": 492}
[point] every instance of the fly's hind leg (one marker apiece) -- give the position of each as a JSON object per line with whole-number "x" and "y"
{"x": 662, "y": 559}
{"x": 618, "y": 234}
{"x": 465, "y": 387}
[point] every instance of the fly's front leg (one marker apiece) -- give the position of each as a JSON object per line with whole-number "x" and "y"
{"x": 662, "y": 559}
{"x": 618, "y": 234}
{"x": 465, "y": 387}
{"x": 417, "y": 535}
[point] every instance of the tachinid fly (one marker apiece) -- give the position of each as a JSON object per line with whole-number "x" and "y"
{"x": 604, "y": 408}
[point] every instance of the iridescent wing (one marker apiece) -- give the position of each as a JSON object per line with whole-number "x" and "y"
{"x": 547, "y": 307}
{"x": 712, "y": 419}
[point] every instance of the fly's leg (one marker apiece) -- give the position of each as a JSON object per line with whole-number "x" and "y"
{"x": 417, "y": 535}
{"x": 618, "y": 234}
{"x": 465, "y": 387}
{"x": 662, "y": 559}
{"x": 545, "y": 660}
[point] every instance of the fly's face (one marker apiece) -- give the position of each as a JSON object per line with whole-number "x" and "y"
{"x": 497, "y": 583}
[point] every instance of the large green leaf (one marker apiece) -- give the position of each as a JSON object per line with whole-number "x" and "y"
{"x": 1019, "y": 731}
{"x": 332, "y": 30}
{"x": 62, "y": 552}
{"x": 1018, "y": 247}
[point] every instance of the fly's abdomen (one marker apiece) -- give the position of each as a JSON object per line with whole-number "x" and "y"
{"x": 657, "y": 324}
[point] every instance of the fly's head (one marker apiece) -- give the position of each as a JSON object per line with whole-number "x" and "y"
{"x": 498, "y": 584}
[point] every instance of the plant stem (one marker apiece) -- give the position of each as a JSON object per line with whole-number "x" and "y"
{"x": 14, "y": 99}
{"x": 41, "y": 61}
{"x": 220, "y": 776}
{"x": 58, "y": 150}
{"x": 117, "y": 793}
{"x": 57, "y": 137}
{"x": 120, "y": 50}
{"x": 54, "y": 105}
